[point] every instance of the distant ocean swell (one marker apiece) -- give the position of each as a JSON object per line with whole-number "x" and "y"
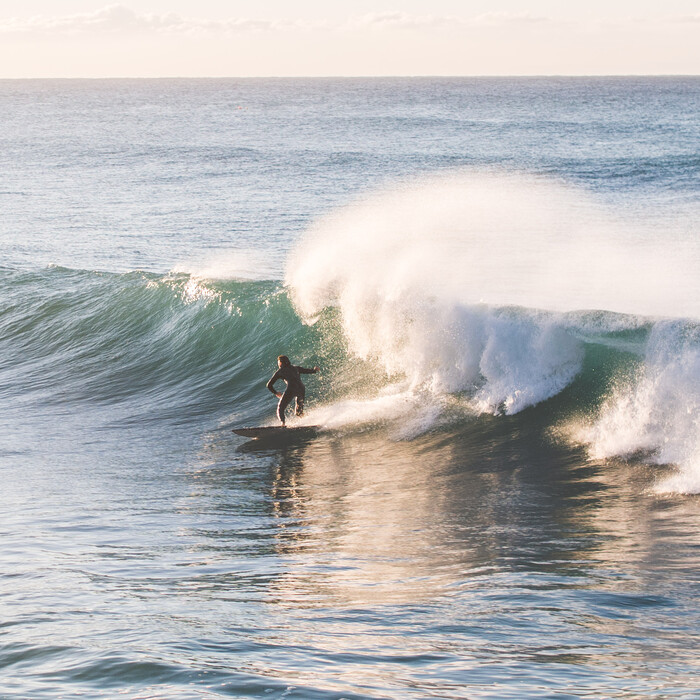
{"x": 175, "y": 347}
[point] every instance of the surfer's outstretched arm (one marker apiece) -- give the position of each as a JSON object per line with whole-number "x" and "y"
{"x": 305, "y": 370}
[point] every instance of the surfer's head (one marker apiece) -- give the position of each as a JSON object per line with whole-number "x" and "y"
{"x": 283, "y": 361}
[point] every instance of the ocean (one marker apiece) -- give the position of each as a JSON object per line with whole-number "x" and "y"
{"x": 500, "y": 281}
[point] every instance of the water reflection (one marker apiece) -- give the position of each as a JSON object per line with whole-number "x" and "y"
{"x": 438, "y": 558}
{"x": 359, "y": 519}
{"x": 366, "y": 524}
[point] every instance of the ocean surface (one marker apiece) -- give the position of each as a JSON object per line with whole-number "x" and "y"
{"x": 500, "y": 280}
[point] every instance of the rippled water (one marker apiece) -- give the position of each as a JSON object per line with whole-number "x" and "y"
{"x": 349, "y": 566}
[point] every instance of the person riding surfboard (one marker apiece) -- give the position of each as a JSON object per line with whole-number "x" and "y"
{"x": 291, "y": 375}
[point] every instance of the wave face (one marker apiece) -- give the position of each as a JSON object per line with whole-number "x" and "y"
{"x": 155, "y": 345}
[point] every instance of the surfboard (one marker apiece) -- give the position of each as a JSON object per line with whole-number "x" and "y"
{"x": 277, "y": 431}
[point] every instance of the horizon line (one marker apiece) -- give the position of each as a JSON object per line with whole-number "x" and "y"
{"x": 360, "y": 76}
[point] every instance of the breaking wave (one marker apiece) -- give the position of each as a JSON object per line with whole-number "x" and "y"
{"x": 428, "y": 307}
{"x": 496, "y": 288}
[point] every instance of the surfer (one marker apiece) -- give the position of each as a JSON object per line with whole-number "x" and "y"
{"x": 290, "y": 374}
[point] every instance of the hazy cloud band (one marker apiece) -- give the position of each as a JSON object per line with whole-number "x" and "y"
{"x": 120, "y": 18}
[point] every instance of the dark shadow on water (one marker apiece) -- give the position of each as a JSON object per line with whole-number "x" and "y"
{"x": 276, "y": 443}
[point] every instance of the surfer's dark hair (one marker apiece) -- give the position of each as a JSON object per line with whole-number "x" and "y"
{"x": 284, "y": 361}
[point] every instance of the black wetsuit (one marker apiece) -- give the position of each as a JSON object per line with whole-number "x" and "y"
{"x": 295, "y": 388}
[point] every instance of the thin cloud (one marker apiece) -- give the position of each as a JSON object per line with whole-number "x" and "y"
{"x": 113, "y": 18}
{"x": 400, "y": 20}
{"x": 118, "y": 18}
{"x": 122, "y": 19}
{"x": 507, "y": 18}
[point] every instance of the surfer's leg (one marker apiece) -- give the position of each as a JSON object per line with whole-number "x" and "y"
{"x": 300, "y": 404}
{"x": 282, "y": 405}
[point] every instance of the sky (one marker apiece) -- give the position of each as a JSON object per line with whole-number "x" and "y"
{"x": 217, "y": 38}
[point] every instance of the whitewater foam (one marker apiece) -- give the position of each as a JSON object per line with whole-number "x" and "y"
{"x": 495, "y": 238}
{"x": 425, "y": 276}
{"x": 468, "y": 285}
{"x": 657, "y": 411}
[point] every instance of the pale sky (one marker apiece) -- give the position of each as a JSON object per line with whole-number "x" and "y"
{"x": 187, "y": 38}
